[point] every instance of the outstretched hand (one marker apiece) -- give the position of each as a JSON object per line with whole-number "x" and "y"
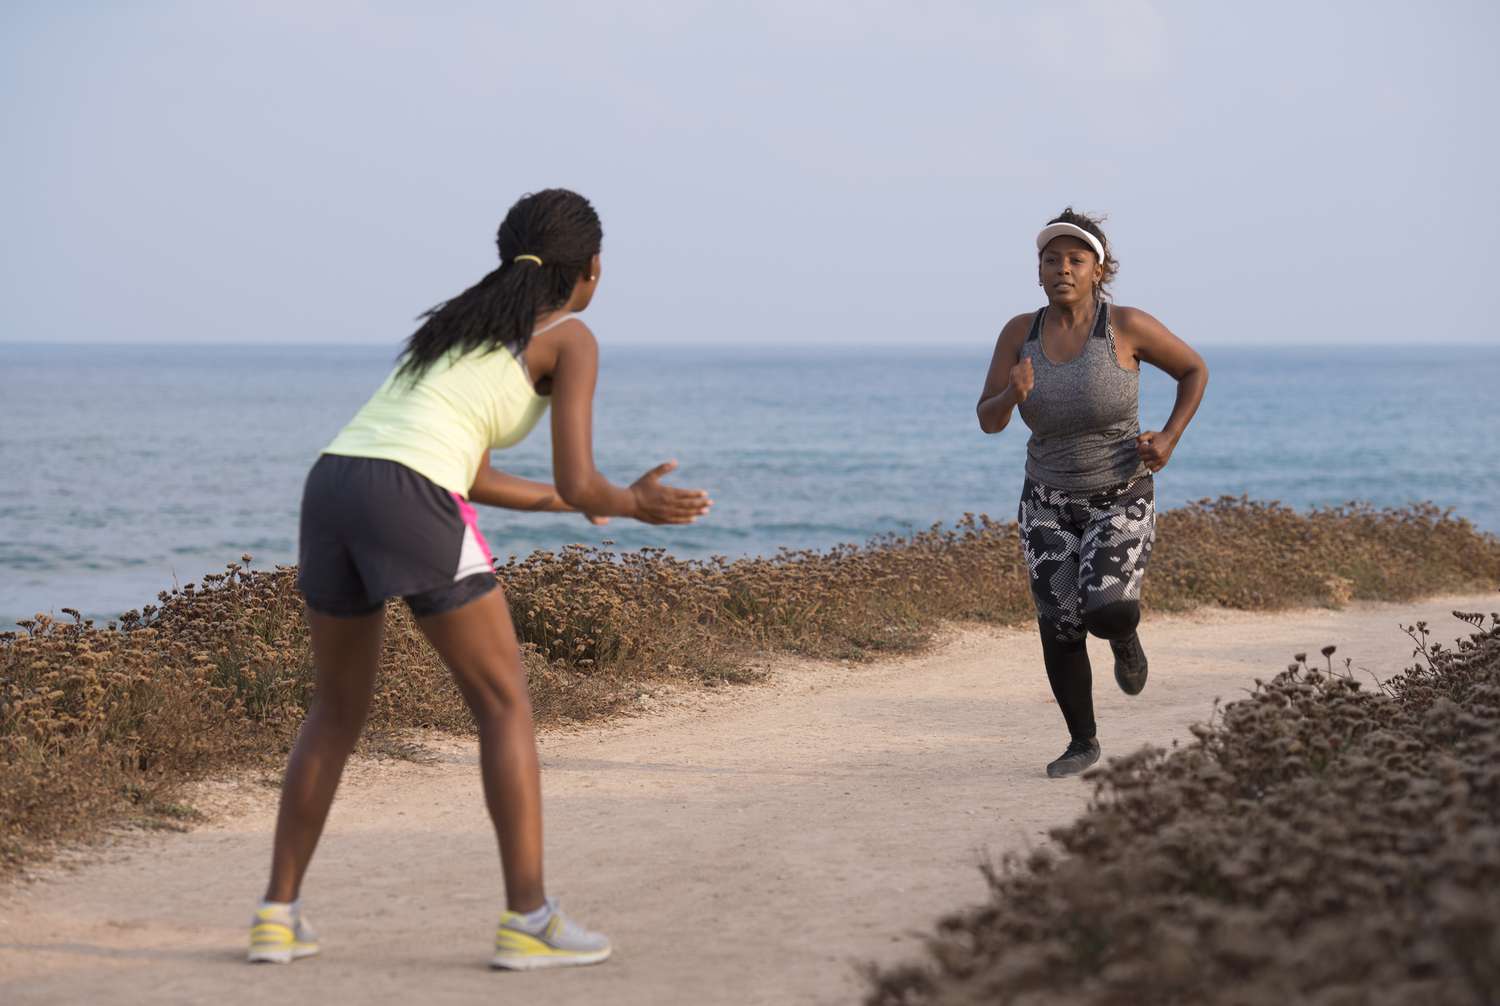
{"x": 1155, "y": 449}
{"x": 656, "y": 503}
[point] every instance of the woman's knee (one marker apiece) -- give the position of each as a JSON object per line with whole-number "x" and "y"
{"x": 496, "y": 689}
{"x": 339, "y": 719}
{"x": 1063, "y": 633}
{"x": 1116, "y": 620}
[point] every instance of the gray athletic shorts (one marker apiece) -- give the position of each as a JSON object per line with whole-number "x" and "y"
{"x": 374, "y": 529}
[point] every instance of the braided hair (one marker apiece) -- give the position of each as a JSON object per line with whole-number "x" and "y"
{"x": 1091, "y": 224}
{"x": 558, "y": 227}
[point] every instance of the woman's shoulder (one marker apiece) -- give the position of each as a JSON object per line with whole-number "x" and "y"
{"x": 1130, "y": 319}
{"x": 565, "y": 329}
{"x": 569, "y": 336}
{"x": 1019, "y": 325}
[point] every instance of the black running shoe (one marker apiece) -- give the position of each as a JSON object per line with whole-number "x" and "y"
{"x": 1079, "y": 756}
{"x": 1130, "y": 664}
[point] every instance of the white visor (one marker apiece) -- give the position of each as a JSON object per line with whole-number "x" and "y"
{"x": 1069, "y": 230}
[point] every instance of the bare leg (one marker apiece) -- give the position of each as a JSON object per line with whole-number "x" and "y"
{"x": 346, "y": 652}
{"x": 478, "y": 644}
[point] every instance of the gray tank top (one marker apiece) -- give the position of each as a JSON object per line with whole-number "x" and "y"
{"x": 1084, "y": 415}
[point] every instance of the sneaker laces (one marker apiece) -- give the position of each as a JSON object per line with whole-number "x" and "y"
{"x": 570, "y": 932}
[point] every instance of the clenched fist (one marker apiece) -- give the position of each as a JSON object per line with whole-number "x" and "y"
{"x": 1155, "y": 449}
{"x": 1022, "y": 378}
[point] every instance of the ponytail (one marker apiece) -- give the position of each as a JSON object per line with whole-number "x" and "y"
{"x": 556, "y": 226}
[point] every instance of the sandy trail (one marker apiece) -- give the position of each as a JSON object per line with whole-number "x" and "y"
{"x": 740, "y": 847}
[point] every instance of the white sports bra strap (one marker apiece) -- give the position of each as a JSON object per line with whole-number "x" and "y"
{"x": 552, "y": 324}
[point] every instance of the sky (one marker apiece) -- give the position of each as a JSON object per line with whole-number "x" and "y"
{"x": 783, "y": 172}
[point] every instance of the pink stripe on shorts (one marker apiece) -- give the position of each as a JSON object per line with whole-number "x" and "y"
{"x": 475, "y": 549}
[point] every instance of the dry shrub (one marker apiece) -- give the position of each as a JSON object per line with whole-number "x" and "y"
{"x": 1239, "y": 553}
{"x": 1322, "y": 843}
{"x": 99, "y": 724}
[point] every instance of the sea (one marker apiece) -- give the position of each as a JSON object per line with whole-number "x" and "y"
{"x": 126, "y": 470}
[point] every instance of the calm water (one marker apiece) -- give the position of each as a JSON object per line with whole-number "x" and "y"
{"x": 124, "y": 470}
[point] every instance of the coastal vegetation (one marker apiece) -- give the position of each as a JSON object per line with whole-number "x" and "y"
{"x": 1328, "y": 840}
{"x": 101, "y": 725}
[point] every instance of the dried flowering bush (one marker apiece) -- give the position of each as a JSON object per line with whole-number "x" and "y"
{"x": 1322, "y": 842}
{"x": 99, "y": 725}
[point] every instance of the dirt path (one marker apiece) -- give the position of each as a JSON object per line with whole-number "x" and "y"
{"x": 741, "y": 847}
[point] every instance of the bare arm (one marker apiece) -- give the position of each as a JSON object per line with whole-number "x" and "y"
{"x": 497, "y": 488}
{"x": 1151, "y": 342}
{"x": 1004, "y": 386}
{"x": 574, "y": 357}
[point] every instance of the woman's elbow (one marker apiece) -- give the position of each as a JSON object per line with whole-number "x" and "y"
{"x": 573, "y": 487}
{"x": 989, "y": 425}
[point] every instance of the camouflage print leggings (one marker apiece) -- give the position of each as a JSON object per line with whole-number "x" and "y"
{"x": 1085, "y": 550}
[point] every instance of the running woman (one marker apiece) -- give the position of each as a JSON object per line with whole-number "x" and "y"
{"x": 386, "y": 512}
{"x": 1088, "y": 512}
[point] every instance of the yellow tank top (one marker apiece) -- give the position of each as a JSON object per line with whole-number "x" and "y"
{"x": 464, "y": 405}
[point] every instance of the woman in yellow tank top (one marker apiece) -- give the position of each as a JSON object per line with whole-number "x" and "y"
{"x": 387, "y": 512}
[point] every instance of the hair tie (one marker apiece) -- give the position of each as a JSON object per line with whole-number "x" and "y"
{"x": 528, "y": 258}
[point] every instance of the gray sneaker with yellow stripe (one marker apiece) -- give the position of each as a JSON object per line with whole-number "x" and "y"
{"x": 523, "y": 943}
{"x": 279, "y": 934}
